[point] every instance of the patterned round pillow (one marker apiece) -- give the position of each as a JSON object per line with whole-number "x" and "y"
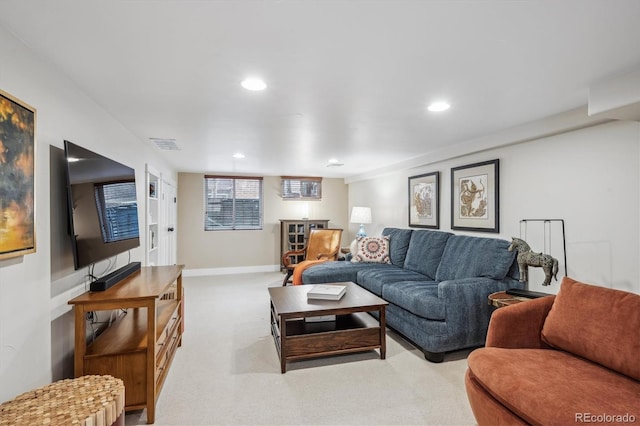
{"x": 372, "y": 250}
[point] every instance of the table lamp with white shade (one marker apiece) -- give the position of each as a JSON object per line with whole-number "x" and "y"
{"x": 361, "y": 215}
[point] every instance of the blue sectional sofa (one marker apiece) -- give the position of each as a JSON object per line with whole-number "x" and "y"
{"x": 436, "y": 284}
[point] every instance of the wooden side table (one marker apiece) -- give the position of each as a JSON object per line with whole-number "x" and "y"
{"x": 501, "y": 299}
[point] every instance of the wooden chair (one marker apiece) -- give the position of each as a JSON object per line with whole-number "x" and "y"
{"x": 323, "y": 244}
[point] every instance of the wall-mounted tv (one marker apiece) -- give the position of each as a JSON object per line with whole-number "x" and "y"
{"x": 103, "y": 207}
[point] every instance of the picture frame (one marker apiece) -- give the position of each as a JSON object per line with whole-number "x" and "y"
{"x": 17, "y": 177}
{"x": 475, "y": 197}
{"x": 424, "y": 201}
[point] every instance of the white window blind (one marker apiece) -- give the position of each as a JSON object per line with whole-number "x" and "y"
{"x": 294, "y": 187}
{"x": 117, "y": 210}
{"x": 232, "y": 203}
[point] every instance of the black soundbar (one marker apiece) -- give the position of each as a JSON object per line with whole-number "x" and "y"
{"x": 526, "y": 293}
{"x": 108, "y": 281}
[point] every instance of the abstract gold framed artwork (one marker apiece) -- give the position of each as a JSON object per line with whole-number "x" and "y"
{"x": 475, "y": 203}
{"x": 17, "y": 185}
{"x": 424, "y": 201}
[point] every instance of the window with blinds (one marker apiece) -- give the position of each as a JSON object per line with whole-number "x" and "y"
{"x": 117, "y": 210}
{"x": 301, "y": 188}
{"x": 232, "y": 203}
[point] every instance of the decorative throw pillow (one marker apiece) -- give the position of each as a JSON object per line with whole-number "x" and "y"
{"x": 372, "y": 250}
{"x": 597, "y": 323}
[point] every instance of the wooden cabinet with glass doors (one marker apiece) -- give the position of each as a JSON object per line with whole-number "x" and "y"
{"x": 294, "y": 234}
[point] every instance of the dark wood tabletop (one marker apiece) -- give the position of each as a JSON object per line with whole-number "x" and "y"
{"x": 292, "y": 300}
{"x": 350, "y": 330}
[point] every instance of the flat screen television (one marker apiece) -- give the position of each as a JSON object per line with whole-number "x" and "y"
{"x": 103, "y": 207}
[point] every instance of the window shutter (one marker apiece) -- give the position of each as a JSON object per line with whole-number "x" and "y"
{"x": 294, "y": 187}
{"x": 232, "y": 203}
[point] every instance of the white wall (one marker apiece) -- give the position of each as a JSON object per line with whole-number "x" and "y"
{"x": 205, "y": 252}
{"x": 33, "y": 296}
{"x": 587, "y": 177}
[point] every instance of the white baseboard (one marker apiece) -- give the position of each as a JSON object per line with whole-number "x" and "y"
{"x": 229, "y": 271}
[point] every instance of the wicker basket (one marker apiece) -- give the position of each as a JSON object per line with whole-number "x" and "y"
{"x": 85, "y": 401}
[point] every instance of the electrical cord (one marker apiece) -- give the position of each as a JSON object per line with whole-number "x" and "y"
{"x": 94, "y": 322}
{"x": 92, "y": 316}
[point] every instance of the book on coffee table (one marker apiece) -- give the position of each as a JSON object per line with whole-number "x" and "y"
{"x": 326, "y": 292}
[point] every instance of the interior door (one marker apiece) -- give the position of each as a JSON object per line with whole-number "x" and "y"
{"x": 170, "y": 234}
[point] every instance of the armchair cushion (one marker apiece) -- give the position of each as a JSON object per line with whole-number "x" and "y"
{"x": 549, "y": 387}
{"x": 605, "y": 317}
{"x": 323, "y": 244}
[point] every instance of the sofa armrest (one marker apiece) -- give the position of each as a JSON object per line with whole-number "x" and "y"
{"x": 519, "y": 325}
{"x": 467, "y": 309}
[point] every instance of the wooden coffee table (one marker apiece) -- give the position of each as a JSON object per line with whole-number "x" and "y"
{"x": 353, "y": 330}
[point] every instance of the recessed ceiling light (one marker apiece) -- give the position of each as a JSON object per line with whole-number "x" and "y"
{"x": 438, "y": 106}
{"x": 334, "y": 162}
{"x": 238, "y": 155}
{"x": 254, "y": 84}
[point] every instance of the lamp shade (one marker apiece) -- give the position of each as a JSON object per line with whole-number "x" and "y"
{"x": 361, "y": 215}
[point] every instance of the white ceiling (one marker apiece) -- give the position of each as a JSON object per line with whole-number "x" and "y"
{"x": 346, "y": 79}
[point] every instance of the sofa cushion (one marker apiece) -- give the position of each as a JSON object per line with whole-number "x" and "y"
{"x": 550, "y": 387}
{"x": 468, "y": 257}
{"x": 425, "y": 251}
{"x": 372, "y": 250}
{"x": 373, "y": 279}
{"x": 398, "y": 244}
{"x": 418, "y": 297}
{"x": 329, "y": 272}
{"x": 596, "y": 323}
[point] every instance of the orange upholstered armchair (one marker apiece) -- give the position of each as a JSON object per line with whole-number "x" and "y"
{"x": 558, "y": 359}
{"x": 322, "y": 245}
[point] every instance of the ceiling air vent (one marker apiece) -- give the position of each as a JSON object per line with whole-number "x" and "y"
{"x": 166, "y": 144}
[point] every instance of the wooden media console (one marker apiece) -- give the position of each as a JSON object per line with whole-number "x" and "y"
{"x": 137, "y": 347}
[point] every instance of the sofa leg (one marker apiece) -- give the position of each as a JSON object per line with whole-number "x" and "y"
{"x": 434, "y": 356}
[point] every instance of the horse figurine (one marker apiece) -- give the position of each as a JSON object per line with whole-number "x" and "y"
{"x": 527, "y": 258}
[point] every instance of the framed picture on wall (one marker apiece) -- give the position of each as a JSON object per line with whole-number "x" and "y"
{"x": 17, "y": 168}
{"x": 424, "y": 201}
{"x": 475, "y": 204}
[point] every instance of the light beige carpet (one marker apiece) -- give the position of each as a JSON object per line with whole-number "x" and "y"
{"x": 227, "y": 371}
